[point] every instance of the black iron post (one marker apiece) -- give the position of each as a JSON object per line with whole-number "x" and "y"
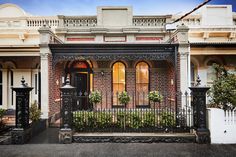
{"x": 67, "y": 96}
{"x": 199, "y": 107}
{"x": 21, "y": 133}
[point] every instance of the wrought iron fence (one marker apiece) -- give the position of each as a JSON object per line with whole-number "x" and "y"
{"x": 164, "y": 116}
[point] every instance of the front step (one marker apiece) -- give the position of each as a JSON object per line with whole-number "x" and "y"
{"x": 134, "y": 138}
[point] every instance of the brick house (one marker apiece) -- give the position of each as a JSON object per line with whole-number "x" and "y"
{"x": 111, "y": 52}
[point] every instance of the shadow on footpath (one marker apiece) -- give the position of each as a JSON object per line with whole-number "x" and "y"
{"x": 49, "y": 136}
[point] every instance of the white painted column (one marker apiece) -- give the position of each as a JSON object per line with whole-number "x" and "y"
{"x": 45, "y": 38}
{"x": 4, "y": 89}
{"x": 44, "y": 85}
{"x": 184, "y": 82}
{"x": 184, "y": 54}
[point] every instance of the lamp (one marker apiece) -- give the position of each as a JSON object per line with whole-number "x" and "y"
{"x": 102, "y": 73}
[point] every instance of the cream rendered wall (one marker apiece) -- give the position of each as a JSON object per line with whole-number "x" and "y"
{"x": 114, "y": 16}
{"x": 34, "y": 96}
{"x": 17, "y": 75}
{"x": 217, "y": 15}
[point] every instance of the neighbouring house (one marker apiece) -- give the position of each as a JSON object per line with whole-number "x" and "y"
{"x": 111, "y": 52}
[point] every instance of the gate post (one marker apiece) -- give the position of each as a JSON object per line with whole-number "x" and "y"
{"x": 67, "y": 94}
{"x": 22, "y": 132}
{"x": 199, "y": 109}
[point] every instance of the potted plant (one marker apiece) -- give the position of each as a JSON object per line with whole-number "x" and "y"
{"x": 155, "y": 96}
{"x": 95, "y": 97}
{"x": 124, "y": 98}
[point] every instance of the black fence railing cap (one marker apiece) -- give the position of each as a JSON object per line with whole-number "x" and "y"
{"x": 23, "y": 85}
{"x": 67, "y": 84}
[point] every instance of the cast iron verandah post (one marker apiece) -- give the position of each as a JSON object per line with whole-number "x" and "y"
{"x": 21, "y": 133}
{"x": 67, "y": 94}
{"x": 199, "y": 106}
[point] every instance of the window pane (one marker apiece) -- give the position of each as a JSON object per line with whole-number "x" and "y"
{"x": 142, "y": 73}
{"x": 118, "y": 81}
{"x": 142, "y": 83}
{"x": 141, "y": 94}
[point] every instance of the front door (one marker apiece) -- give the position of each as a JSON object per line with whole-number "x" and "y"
{"x": 81, "y": 83}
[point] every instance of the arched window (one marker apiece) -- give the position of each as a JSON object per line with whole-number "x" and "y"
{"x": 142, "y": 83}
{"x": 211, "y": 72}
{"x": 118, "y": 81}
{"x": 193, "y": 74}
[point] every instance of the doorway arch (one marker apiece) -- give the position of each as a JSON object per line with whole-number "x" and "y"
{"x": 81, "y": 77}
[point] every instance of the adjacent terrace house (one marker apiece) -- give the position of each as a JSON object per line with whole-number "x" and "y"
{"x": 111, "y": 52}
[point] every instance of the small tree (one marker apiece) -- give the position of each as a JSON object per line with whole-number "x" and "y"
{"x": 124, "y": 98}
{"x": 155, "y": 96}
{"x": 223, "y": 90}
{"x": 35, "y": 113}
{"x": 95, "y": 97}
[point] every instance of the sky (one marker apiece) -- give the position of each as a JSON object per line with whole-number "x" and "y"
{"x": 88, "y": 7}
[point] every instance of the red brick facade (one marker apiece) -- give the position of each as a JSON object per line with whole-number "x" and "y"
{"x": 161, "y": 78}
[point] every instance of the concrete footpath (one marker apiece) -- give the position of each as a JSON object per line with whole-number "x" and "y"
{"x": 46, "y": 145}
{"x": 118, "y": 149}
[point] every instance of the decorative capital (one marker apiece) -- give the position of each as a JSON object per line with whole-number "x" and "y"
{"x": 183, "y": 54}
{"x": 44, "y": 56}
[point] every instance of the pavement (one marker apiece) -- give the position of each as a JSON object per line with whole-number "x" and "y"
{"x": 46, "y": 145}
{"x": 118, "y": 149}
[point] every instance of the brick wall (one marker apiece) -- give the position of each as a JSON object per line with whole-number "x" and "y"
{"x": 102, "y": 83}
{"x": 161, "y": 74}
{"x": 55, "y": 75}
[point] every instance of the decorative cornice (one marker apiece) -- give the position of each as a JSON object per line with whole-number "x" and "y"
{"x": 108, "y": 52}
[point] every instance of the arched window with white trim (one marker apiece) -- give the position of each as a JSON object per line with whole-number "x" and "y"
{"x": 142, "y": 84}
{"x": 118, "y": 81}
{"x": 211, "y": 72}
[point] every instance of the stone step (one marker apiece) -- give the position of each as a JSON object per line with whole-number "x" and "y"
{"x": 5, "y": 140}
{"x": 134, "y": 138}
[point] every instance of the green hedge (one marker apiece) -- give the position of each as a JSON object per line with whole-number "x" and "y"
{"x": 93, "y": 120}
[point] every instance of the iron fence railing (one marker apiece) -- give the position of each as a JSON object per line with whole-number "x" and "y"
{"x": 164, "y": 116}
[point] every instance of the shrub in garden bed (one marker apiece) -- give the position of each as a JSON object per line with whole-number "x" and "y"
{"x": 120, "y": 119}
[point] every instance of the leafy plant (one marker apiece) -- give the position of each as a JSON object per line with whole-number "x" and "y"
{"x": 95, "y": 97}
{"x": 167, "y": 119}
{"x": 149, "y": 119}
{"x": 223, "y": 90}
{"x": 124, "y": 98}
{"x": 35, "y": 113}
{"x": 2, "y": 112}
{"x": 155, "y": 96}
{"x": 104, "y": 120}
